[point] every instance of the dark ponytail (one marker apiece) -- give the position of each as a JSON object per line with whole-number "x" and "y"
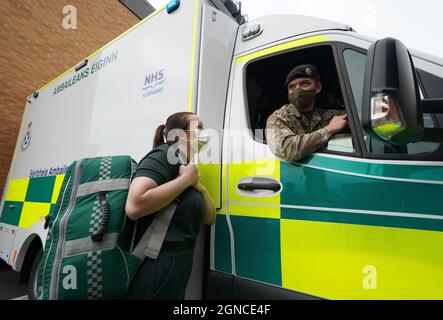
{"x": 179, "y": 120}
{"x": 159, "y": 135}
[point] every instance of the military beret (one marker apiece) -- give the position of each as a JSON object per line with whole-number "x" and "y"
{"x": 303, "y": 70}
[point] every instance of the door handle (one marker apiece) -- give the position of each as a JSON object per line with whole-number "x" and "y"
{"x": 258, "y": 186}
{"x": 250, "y": 186}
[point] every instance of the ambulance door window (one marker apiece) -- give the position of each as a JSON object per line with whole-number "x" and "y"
{"x": 265, "y": 91}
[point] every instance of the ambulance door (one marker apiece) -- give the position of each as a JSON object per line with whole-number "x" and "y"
{"x": 284, "y": 238}
{"x": 351, "y": 221}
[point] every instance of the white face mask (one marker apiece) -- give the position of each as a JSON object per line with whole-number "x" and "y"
{"x": 203, "y": 140}
{"x": 199, "y": 142}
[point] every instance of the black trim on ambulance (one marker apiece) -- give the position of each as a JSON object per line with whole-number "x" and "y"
{"x": 224, "y": 286}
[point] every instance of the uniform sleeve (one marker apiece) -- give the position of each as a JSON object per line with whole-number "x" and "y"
{"x": 156, "y": 166}
{"x": 329, "y": 114}
{"x": 338, "y": 112}
{"x": 290, "y": 146}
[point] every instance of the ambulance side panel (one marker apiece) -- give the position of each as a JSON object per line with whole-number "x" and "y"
{"x": 8, "y": 230}
{"x": 111, "y": 106}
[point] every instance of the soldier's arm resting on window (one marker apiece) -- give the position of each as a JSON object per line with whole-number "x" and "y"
{"x": 290, "y": 146}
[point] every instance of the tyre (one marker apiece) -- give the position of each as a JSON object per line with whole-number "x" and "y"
{"x": 32, "y": 285}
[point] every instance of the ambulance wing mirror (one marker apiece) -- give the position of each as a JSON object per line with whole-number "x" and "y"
{"x": 391, "y": 97}
{"x": 234, "y": 8}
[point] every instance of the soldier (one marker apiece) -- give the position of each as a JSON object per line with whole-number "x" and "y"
{"x": 298, "y": 129}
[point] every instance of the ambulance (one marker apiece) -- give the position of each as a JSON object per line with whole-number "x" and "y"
{"x": 360, "y": 219}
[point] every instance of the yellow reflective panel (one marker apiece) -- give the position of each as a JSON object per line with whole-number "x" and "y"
{"x": 57, "y": 187}
{"x": 223, "y": 190}
{"x": 248, "y": 210}
{"x": 17, "y": 189}
{"x": 281, "y": 47}
{"x": 345, "y": 261}
{"x": 193, "y": 62}
{"x": 33, "y": 212}
{"x": 251, "y": 206}
{"x": 210, "y": 178}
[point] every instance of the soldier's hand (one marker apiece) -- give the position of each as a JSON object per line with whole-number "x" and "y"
{"x": 337, "y": 124}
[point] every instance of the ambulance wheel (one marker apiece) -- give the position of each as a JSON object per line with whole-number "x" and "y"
{"x": 32, "y": 285}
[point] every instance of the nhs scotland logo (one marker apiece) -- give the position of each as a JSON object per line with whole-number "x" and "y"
{"x": 153, "y": 83}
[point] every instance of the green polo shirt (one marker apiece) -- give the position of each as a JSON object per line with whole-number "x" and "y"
{"x": 185, "y": 223}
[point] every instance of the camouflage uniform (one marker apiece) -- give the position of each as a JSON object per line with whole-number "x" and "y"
{"x": 293, "y": 135}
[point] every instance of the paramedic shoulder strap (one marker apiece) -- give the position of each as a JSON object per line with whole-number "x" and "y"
{"x": 152, "y": 240}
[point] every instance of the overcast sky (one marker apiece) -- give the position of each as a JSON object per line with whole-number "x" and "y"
{"x": 418, "y": 24}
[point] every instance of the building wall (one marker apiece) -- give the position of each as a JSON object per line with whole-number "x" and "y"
{"x": 35, "y": 48}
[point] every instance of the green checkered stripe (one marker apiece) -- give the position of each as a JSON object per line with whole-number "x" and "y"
{"x": 29, "y": 200}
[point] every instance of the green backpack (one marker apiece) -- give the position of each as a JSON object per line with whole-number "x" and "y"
{"x": 89, "y": 251}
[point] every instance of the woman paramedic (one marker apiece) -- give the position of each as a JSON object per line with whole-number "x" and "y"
{"x": 158, "y": 181}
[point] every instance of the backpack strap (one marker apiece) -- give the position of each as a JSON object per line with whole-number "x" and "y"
{"x": 152, "y": 240}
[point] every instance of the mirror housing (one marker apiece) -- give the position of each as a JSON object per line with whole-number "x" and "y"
{"x": 391, "y": 97}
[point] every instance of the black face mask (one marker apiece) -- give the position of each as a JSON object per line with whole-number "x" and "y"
{"x": 302, "y": 99}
